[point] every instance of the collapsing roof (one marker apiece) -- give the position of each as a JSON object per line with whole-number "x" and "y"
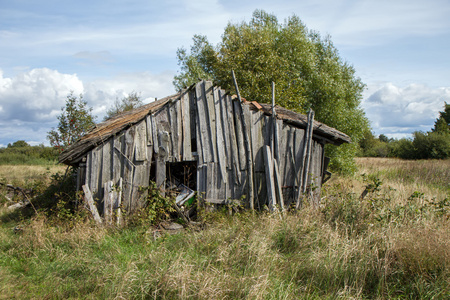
{"x": 110, "y": 127}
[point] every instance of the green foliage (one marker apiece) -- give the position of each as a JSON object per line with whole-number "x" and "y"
{"x": 442, "y": 124}
{"x": 133, "y": 100}
{"x": 75, "y": 120}
{"x": 306, "y": 68}
{"x": 156, "y": 207}
{"x": 20, "y": 154}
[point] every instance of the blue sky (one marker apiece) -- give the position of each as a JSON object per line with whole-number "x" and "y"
{"x": 107, "y": 49}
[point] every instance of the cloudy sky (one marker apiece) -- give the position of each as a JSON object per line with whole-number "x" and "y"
{"x": 107, "y": 49}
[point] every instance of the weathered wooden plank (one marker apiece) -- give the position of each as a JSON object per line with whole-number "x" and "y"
{"x": 160, "y": 122}
{"x": 271, "y": 195}
{"x": 108, "y": 201}
{"x": 234, "y": 163}
{"x": 260, "y": 188}
{"x": 186, "y": 127}
{"x": 154, "y": 133}
{"x": 91, "y": 205}
{"x": 193, "y": 118}
{"x": 96, "y": 178}
{"x": 277, "y": 181}
{"x": 248, "y": 148}
{"x": 211, "y": 110}
{"x": 128, "y": 158}
{"x": 201, "y": 181}
{"x": 173, "y": 133}
{"x": 140, "y": 142}
{"x": 148, "y": 123}
{"x": 257, "y": 127}
{"x": 118, "y": 202}
{"x": 179, "y": 131}
{"x": 161, "y": 159}
{"x": 87, "y": 180}
{"x": 203, "y": 124}
{"x": 211, "y": 189}
{"x": 225, "y": 126}
{"x": 299, "y": 145}
{"x": 107, "y": 160}
{"x": 220, "y": 139}
{"x": 308, "y": 149}
{"x": 117, "y": 158}
{"x": 239, "y": 135}
{"x": 140, "y": 180}
{"x": 282, "y": 140}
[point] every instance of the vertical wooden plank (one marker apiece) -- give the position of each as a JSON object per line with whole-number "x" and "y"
{"x": 163, "y": 154}
{"x": 186, "y": 126}
{"x": 192, "y": 109}
{"x": 211, "y": 191}
{"x": 140, "y": 142}
{"x": 209, "y": 93}
{"x": 179, "y": 131}
{"x": 299, "y": 145}
{"x": 148, "y": 123}
{"x": 139, "y": 181}
{"x": 203, "y": 124}
{"x": 270, "y": 178}
{"x": 87, "y": 180}
{"x": 107, "y": 161}
{"x": 154, "y": 133}
{"x": 257, "y": 127}
{"x": 128, "y": 171}
{"x": 118, "y": 202}
{"x": 201, "y": 182}
{"x": 225, "y": 126}
{"x": 282, "y": 145}
{"x": 96, "y": 176}
{"x": 277, "y": 181}
{"x": 141, "y": 170}
{"x": 173, "y": 132}
{"x": 108, "y": 201}
{"x": 239, "y": 135}
{"x": 117, "y": 158}
{"x": 220, "y": 140}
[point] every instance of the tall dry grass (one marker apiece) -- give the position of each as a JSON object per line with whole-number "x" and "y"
{"x": 388, "y": 245}
{"x": 24, "y": 174}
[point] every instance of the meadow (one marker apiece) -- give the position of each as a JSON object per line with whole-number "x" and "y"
{"x": 383, "y": 233}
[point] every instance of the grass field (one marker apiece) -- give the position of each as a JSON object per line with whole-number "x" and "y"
{"x": 392, "y": 244}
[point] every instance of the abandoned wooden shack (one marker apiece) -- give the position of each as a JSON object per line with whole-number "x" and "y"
{"x": 209, "y": 141}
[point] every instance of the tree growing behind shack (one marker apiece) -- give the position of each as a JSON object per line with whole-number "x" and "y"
{"x": 133, "y": 100}
{"x": 305, "y": 66}
{"x": 74, "y": 121}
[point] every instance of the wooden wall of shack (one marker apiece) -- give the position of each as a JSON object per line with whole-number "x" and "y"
{"x": 205, "y": 126}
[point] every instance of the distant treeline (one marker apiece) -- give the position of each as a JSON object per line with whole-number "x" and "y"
{"x": 434, "y": 144}
{"x": 423, "y": 145}
{"x": 21, "y": 152}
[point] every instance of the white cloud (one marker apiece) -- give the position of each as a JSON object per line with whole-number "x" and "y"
{"x": 402, "y": 110}
{"x": 31, "y": 101}
{"x": 35, "y": 95}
